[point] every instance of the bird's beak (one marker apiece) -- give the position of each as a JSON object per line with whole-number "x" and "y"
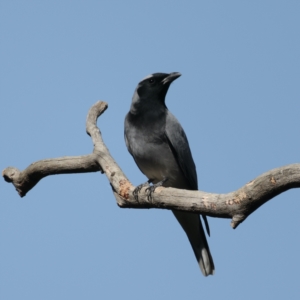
{"x": 171, "y": 77}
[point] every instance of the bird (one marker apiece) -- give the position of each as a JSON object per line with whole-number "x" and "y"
{"x": 160, "y": 148}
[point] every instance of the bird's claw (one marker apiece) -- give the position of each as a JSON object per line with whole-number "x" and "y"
{"x": 150, "y": 190}
{"x": 138, "y": 189}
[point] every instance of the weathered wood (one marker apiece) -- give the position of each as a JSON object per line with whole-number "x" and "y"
{"x": 25, "y": 180}
{"x": 237, "y": 205}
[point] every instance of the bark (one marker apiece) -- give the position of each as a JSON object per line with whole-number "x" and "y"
{"x": 237, "y": 205}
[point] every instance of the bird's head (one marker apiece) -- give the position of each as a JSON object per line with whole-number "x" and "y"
{"x": 152, "y": 90}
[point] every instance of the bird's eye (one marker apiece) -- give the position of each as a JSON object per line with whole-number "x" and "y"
{"x": 151, "y": 80}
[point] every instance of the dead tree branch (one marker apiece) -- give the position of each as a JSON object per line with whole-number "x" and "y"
{"x": 237, "y": 205}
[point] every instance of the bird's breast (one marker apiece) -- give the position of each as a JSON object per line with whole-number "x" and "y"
{"x": 153, "y": 155}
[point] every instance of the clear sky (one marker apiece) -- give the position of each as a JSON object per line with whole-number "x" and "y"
{"x": 238, "y": 100}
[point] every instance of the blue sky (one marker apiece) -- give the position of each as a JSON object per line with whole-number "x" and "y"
{"x": 237, "y": 99}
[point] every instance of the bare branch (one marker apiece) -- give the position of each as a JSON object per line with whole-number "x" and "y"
{"x": 24, "y": 181}
{"x": 237, "y": 205}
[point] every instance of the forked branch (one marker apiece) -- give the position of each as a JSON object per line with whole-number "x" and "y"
{"x": 237, "y": 205}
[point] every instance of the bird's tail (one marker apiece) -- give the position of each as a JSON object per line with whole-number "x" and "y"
{"x": 192, "y": 226}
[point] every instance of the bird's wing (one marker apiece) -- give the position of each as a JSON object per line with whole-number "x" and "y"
{"x": 181, "y": 150}
{"x": 180, "y": 147}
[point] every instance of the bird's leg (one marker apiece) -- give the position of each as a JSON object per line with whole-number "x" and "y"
{"x": 150, "y": 190}
{"x": 138, "y": 189}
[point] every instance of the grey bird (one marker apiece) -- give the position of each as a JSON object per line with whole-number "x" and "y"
{"x": 161, "y": 150}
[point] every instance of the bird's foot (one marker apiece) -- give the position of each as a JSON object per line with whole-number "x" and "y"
{"x": 138, "y": 189}
{"x": 150, "y": 190}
